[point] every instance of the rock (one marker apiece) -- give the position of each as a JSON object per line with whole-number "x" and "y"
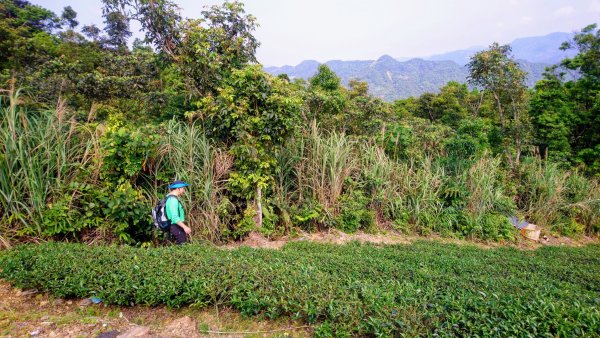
{"x": 26, "y": 293}
{"x": 35, "y": 333}
{"x": 85, "y": 302}
{"x": 136, "y": 331}
{"x": 59, "y": 301}
{"x": 109, "y": 334}
{"x": 44, "y": 303}
{"x": 182, "y": 327}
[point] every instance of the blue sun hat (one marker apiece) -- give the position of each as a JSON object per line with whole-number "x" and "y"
{"x": 178, "y": 184}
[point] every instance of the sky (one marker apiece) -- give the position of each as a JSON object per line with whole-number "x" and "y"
{"x": 291, "y": 31}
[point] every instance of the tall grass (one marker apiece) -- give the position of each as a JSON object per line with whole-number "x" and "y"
{"x": 327, "y": 161}
{"x": 560, "y": 199}
{"x": 286, "y": 188}
{"x": 41, "y": 154}
{"x": 404, "y": 191}
{"x": 331, "y": 175}
{"x": 543, "y": 191}
{"x": 189, "y": 155}
{"x": 485, "y": 187}
{"x": 380, "y": 178}
{"x": 583, "y": 196}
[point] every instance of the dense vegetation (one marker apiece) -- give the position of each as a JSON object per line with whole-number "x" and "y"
{"x": 421, "y": 289}
{"x": 91, "y": 131}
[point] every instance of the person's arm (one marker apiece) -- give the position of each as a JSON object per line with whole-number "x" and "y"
{"x": 185, "y": 228}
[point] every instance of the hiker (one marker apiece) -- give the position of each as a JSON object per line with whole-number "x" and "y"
{"x": 175, "y": 214}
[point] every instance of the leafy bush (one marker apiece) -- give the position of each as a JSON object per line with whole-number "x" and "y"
{"x": 127, "y": 151}
{"x": 423, "y": 289}
{"x": 355, "y": 213}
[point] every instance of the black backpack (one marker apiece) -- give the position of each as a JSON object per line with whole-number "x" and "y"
{"x": 159, "y": 215}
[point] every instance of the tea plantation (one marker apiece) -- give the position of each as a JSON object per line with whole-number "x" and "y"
{"x": 422, "y": 289}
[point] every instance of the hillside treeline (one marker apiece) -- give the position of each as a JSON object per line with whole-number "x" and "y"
{"x": 93, "y": 129}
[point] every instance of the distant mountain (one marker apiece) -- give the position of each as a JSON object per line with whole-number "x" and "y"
{"x": 391, "y": 79}
{"x": 543, "y": 49}
{"x": 538, "y": 49}
{"x": 461, "y": 57}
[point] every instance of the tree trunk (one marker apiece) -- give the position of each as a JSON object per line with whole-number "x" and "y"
{"x": 259, "y": 213}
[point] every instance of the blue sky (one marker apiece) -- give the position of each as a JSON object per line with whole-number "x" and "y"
{"x": 294, "y": 30}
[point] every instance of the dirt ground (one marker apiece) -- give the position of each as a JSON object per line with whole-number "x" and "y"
{"x": 256, "y": 240}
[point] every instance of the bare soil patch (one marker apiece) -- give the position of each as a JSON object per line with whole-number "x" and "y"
{"x": 333, "y": 236}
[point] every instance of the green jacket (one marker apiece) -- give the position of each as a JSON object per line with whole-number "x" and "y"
{"x": 174, "y": 210}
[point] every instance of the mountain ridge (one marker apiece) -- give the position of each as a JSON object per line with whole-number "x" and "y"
{"x": 391, "y": 79}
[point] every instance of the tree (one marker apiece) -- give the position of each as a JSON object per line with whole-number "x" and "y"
{"x": 365, "y": 115}
{"x": 254, "y": 113}
{"x": 325, "y": 79}
{"x": 552, "y": 116}
{"x": 92, "y": 32}
{"x": 499, "y": 75}
{"x": 326, "y": 102}
{"x": 206, "y": 50}
{"x": 584, "y": 96}
{"x": 68, "y": 16}
{"x": 117, "y": 29}
{"x": 26, "y": 39}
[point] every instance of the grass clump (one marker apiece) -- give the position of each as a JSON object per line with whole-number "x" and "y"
{"x": 425, "y": 288}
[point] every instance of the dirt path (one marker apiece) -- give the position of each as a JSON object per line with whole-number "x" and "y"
{"x": 333, "y": 236}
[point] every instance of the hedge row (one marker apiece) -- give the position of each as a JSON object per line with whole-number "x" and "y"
{"x": 425, "y": 288}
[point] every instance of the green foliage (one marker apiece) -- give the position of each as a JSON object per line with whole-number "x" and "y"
{"x": 325, "y": 100}
{"x": 365, "y": 114}
{"x": 398, "y": 140}
{"x": 488, "y": 226}
{"x": 308, "y": 216}
{"x": 325, "y": 79}
{"x": 40, "y": 155}
{"x": 205, "y": 50}
{"x": 60, "y": 218}
{"x": 187, "y": 154}
{"x": 313, "y": 154}
{"x": 355, "y": 213}
{"x": 552, "y": 117}
{"x": 566, "y": 113}
{"x": 501, "y": 77}
{"x": 26, "y": 34}
{"x": 127, "y": 151}
{"x": 255, "y": 114}
{"x": 422, "y": 289}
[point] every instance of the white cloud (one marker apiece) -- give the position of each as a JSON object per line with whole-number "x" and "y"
{"x": 525, "y": 20}
{"x": 564, "y": 11}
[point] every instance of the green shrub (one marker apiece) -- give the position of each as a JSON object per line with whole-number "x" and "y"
{"x": 309, "y": 215}
{"x": 355, "y": 213}
{"x": 423, "y": 289}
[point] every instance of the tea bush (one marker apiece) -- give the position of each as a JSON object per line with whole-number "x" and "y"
{"x": 422, "y": 289}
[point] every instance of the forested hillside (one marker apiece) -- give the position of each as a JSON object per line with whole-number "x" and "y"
{"x": 92, "y": 131}
{"x": 392, "y": 79}
{"x": 535, "y": 49}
